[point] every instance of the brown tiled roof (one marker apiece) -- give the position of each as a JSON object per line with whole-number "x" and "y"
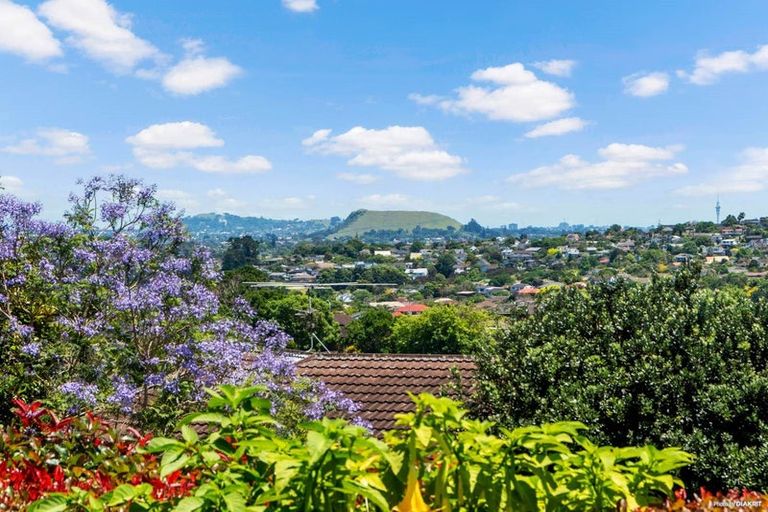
{"x": 380, "y": 383}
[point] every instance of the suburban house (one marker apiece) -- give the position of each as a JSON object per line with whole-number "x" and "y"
{"x": 417, "y": 273}
{"x": 410, "y": 309}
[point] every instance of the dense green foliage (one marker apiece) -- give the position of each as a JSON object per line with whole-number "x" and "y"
{"x": 242, "y": 251}
{"x": 439, "y": 460}
{"x": 292, "y": 312}
{"x": 666, "y": 363}
{"x": 441, "y": 330}
{"x": 371, "y": 331}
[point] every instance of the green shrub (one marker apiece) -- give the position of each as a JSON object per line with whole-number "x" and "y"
{"x": 666, "y": 363}
{"x": 438, "y": 459}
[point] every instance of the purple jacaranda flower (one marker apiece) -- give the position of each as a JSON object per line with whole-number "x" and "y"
{"x": 80, "y": 391}
{"x": 31, "y": 349}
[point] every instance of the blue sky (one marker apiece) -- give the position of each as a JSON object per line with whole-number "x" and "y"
{"x": 535, "y": 113}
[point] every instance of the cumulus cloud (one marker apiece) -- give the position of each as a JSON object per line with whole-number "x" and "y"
{"x": 65, "y": 146}
{"x": 222, "y": 202}
{"x": 196, "y": 73}
{"x": 22, "y": 33}
{"x": 622, "y": 165}
{"x": 180, "y": 198}
{"x": 301, "y": 5}
{"x": 407, "y": 151}
{"x": 168, "y": 145}
{"x": 556, "y": 67}
{"x": 749, "y": 176}
{"x": 708, "y": 68}
{"x": 11, "y": 184}
{"x": 512, "y": 93}
{"x": 360, "y": 179}
{"x": 557, "y": 127}
{"x": 289, "y": 203}
{"x": 384, "y": 200}
{"x": 645, "y": 85}
{"x": 491, "y": 202}
{"x": 100, "y": 31}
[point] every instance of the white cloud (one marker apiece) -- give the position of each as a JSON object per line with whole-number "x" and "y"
{"x": 23, "y": 34}
{"x": 287, "y": 203}
{"x": 750, "y": 176}
{"x": 301, "y": 5}
{"x": 360, "y": 179}
{"x": 646, "y": 85}
{"x": 623, "y": 165}
{"x": 556, "y": 67}
{"x": 407, "y": 151}
{"x": 100, "y": 31}
{"x": 708, "y": 68}
{"x": 428, "y": 99}
{"x": 317, "y": 137}
{"x": 557, "y": 127}
{"x": 384, "y": 200}
{"x": 491, "y": 203}
{"x": 638, "y": 152}
{"x": 222, "y": 202}
{"x": 163, "y": 146}
{"x": 514, "y": 94}
{"x": 65, "y": 146}
{"x": 196, "y": 74}
{"x": 181, "y": 199}
{"x": 179, "y": 135}
{"x": 11, "y": 184}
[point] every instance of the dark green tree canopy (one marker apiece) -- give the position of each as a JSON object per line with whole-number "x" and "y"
{"x": 666, "y": 363}
{"x": 242, "y": 251}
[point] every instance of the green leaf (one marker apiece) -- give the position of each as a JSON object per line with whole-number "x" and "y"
{"x": 127, "y": 492}
{"x": 159, "y": 444}
{"x": 189, "y": 504}
{"x": 189, "y": 434}
{"x": 52, "y": 503}
{"x": 178, "y": 463}
{"x": 235, "y": 501}
{"x": 207, "y": 417}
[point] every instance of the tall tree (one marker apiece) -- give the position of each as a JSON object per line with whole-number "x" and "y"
{"x": 666, "y": 363}
{"x": 241, "y": 251}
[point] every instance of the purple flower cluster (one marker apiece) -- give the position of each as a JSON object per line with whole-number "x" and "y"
{"x": 124, "y": 294}
{"x": 31, "y": 349}
{"x": 81, "y": 392}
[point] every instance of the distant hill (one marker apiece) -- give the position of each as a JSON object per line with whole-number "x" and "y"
{"x": 362, "y": 221}
{"x": 222, "y": 225}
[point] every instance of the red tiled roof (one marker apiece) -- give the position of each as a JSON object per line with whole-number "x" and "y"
{"x": 411, "y": 308}
{"x": 380, "y": 383}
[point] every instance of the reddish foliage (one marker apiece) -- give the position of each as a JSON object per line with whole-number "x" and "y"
{"x": 31, "y": 455}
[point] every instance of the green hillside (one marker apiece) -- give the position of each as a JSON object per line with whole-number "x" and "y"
{"x": 361, "y": 221}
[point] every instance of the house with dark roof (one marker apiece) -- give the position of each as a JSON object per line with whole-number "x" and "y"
{"x": 380, "y": 383}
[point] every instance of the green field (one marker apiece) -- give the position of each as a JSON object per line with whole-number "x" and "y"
{"x": 361, "y": 221}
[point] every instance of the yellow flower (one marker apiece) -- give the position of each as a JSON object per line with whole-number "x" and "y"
{"x": 412, "y": 501}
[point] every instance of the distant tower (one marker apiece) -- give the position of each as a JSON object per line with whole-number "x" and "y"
{"x": 717, "y": 209}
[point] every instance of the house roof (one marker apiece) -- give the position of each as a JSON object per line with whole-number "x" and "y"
{"x": 379, "y": 383}
{"x": 411, "y": 308}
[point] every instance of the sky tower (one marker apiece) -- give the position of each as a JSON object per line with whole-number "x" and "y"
{"x": 717, "y": 209}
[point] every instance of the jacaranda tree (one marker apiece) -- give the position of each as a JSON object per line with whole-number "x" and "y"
{"x": 114, "y": 308}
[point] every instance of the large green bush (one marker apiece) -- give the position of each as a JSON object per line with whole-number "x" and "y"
{"x": 438, "y": 460}
{"x": 666, "y": 363}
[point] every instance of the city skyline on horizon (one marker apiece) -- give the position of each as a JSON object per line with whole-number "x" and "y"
{"x": 600, "y": 113}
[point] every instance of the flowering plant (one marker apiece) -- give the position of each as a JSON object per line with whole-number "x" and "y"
{"x": 115, "y": 310}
